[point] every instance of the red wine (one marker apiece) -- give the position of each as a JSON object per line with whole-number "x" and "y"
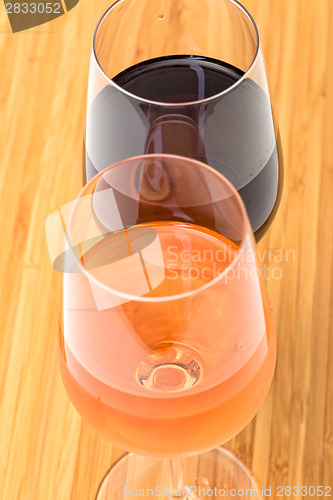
{"x": 160, "y": 113}
{"x": 177, "y": 79}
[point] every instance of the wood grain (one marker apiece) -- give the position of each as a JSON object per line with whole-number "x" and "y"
{"x": 47, "y": 452}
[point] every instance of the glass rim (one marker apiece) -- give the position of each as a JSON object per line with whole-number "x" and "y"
{"x": 166, "y": 298}
{"x": 186, "y": 103}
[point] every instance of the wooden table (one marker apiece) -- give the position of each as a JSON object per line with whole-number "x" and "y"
{"x": 47, "y": 452}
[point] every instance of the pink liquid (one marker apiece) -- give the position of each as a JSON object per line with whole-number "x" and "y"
{"x": 224, "y": 329}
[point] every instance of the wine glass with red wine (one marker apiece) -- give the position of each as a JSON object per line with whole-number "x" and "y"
{"x": 185, "y": 78}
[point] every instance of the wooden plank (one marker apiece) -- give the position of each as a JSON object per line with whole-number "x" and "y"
{"x": 47, "y": 453}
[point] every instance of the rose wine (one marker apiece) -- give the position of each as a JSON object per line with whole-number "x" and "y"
{"x": 180, "y": 373}
{"x": 232, "y": 132}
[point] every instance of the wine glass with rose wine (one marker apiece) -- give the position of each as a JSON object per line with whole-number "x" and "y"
{"x": 168, "y": 346}
{"x": 178, "y": 77}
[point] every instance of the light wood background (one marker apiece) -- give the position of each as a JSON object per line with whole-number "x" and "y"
{"x": 47, "y": 452}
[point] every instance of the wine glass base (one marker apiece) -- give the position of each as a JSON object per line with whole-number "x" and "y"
{"x": 214, "y": 474}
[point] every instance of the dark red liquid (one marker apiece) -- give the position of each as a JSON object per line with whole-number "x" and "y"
{"x": 232, "y": 132}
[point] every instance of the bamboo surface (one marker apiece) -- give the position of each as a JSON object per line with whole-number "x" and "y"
{"x": 46, "y": 451}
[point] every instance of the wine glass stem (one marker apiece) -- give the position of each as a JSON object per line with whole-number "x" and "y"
{"x": 176, "y": 477}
